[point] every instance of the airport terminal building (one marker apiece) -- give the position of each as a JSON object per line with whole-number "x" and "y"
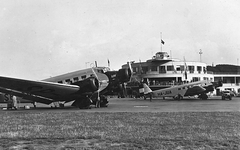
{"x": 163, "y": 71}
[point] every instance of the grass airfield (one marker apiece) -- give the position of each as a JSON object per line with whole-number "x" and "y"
{"x": 72, "y": 128}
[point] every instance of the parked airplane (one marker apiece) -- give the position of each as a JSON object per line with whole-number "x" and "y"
{"x": 79, "y": 86}
{"x": 200, "y": 88}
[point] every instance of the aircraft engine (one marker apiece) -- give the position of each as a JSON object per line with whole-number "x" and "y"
{"x": 117, "y": 80}
{"x": 90, "y": 84}
{"x": 124, "y": 75}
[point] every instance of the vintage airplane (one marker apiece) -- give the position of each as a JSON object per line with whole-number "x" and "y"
{"x": 80, "y": 87}
{"x": 199, "y": 88}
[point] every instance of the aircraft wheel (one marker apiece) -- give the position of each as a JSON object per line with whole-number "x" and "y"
{"x": 145, "y": 97}
{"x": 203, "y": 96}
{"x": 180, "y": 97}
{"x": 61, "y": 105}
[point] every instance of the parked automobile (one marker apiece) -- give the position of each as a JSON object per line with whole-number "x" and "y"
{"x": 227, "y": 95}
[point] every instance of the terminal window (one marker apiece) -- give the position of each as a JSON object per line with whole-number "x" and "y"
{"x": 199, "y": 69}
{"x": 154, "y": 68}
{"x": 191, "y": 69}
{"x": 162, "y": 69}
{"x": 170, "y": 68}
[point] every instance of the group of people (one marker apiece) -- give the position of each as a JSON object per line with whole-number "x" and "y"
{"x": 12, "y": 103}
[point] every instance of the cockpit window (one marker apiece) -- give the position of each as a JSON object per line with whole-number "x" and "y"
{"x": 100, "y": 71}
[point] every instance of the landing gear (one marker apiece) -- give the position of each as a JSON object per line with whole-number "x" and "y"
{"x": 103, "y": 101}
{"x": 178, "y": 97}
{"x": 203, "y": 96}
{"x": 55, "y": 104}
{"x": 83, "y": 103}
{"x": 61, "y": 105}
{"x": 34, "y": 105}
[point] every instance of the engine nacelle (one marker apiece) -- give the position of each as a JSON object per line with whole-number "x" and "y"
{"x": 90, "y": 84}
{"x": 124, "y": 75}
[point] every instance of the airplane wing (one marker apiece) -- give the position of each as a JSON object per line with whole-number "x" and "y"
{"x": 33, "y": 98}
{"x": 40, "y": 91}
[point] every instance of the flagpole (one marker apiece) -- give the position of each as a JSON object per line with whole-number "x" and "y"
{"x": 161, "y": 41}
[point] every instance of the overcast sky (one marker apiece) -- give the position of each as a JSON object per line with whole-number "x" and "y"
{"x": 43, "y": 38}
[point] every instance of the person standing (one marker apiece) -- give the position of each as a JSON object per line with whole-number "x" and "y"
{"x": 150, "y": 96}
{"x": 98, "y": 102}
{"x": 14, "y": 102}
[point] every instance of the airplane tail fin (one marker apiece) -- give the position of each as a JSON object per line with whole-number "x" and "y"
{"x": 146, "y": 89}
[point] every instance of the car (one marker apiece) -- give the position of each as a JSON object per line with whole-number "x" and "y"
{"x": 227, "y": 95}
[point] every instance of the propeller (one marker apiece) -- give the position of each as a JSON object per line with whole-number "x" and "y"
{"x": 124, "y": 76}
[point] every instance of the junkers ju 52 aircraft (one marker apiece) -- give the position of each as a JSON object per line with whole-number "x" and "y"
{"x": 79, "y": 86}
{"x": 199, "y": 88}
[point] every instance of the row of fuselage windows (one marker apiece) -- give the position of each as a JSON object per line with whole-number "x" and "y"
{"x": 76, "y": 79}
{"x": 191, "y": 69}
{"x": 188, "y": 87}
{"x": 73, "y": 80}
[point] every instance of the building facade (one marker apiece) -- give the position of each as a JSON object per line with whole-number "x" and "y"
{"x": 229, "y": 75}
{"x": 162, "y": 70}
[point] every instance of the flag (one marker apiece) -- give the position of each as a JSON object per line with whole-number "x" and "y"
{"x": 108, "y": 63}
{"x": 96, "y": 63}
{"x": 162, "y": 41}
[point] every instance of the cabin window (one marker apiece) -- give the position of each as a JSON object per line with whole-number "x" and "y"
{"x": 205, "y": 78}
{"x": 60, "y": 82}
{"x": 68, "y": 81}
{"x": 170, "y": 68}
{"x": 75, "y": 79}
{"x": 179, "y": 88}
{"x": 84, "y": 77}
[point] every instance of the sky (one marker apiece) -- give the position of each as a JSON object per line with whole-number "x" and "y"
{"x": 42, "y": 38}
